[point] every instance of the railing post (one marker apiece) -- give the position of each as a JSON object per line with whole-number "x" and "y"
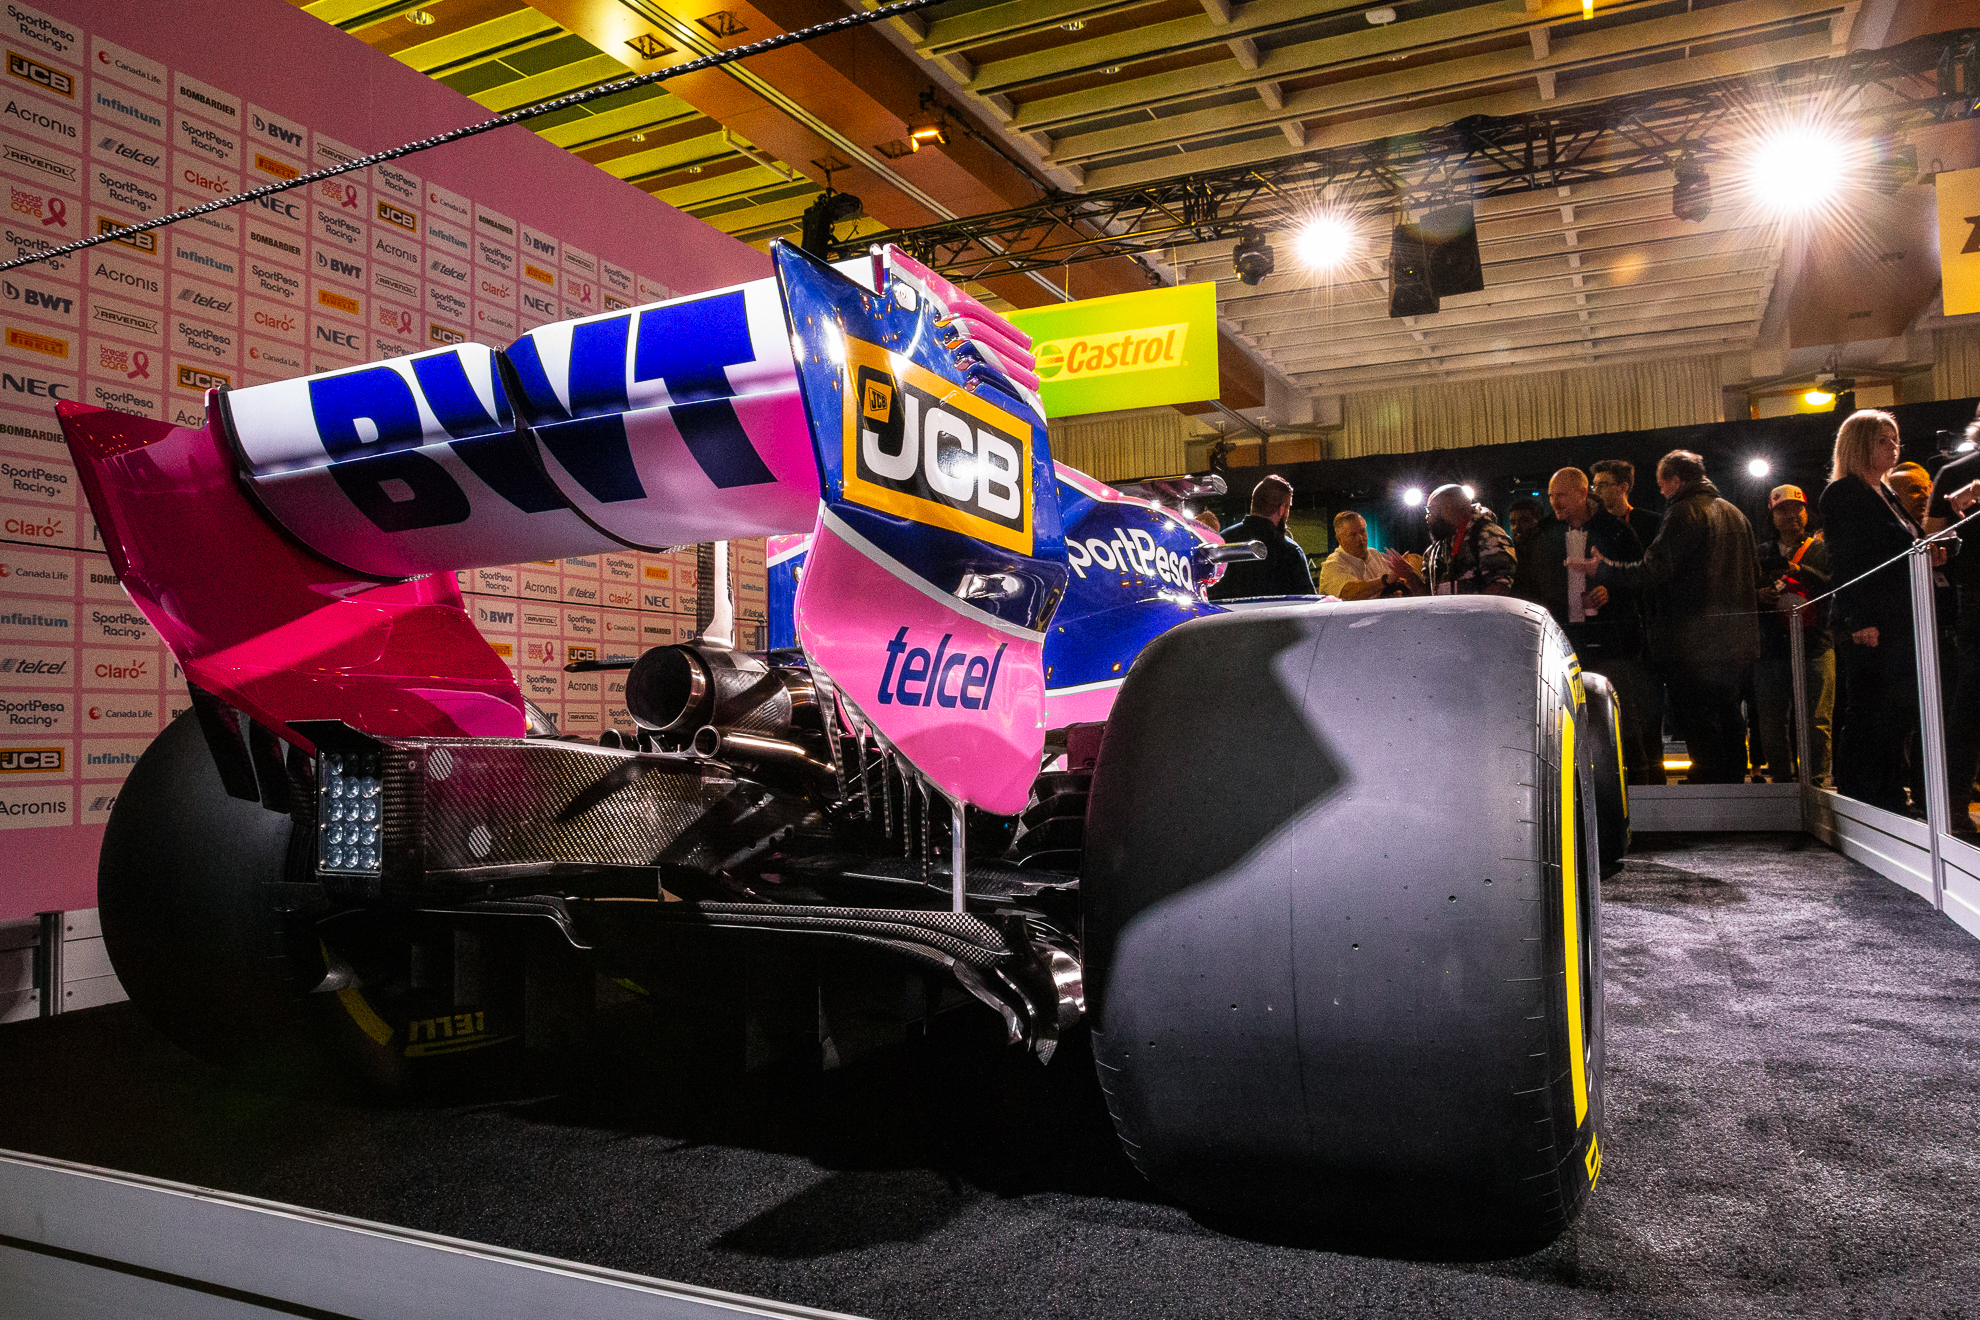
{"x": 1931, "y": 712}
{"x": 1797, "y": 659}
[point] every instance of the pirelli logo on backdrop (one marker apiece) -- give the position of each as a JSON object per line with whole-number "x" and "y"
{"x": 922, "y": 448}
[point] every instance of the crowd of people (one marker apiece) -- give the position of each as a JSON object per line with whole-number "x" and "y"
{"x": 1688, "y": 612}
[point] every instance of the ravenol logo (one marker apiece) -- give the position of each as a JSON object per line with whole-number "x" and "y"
{"x": 1085, "y": 357}
{"x": 917, "y": 446}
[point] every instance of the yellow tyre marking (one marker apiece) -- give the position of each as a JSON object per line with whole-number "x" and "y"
{"x": 1571, "y": 920}
{"x": 1615, "y": 731}
{"x": 369, "y": 1022}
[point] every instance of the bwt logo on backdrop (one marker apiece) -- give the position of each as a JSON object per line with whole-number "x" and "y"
{"x": 920, "y": 447}
{"x": 29, "y": 296}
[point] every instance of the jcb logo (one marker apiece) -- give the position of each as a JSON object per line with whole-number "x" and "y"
{"x": 922, "y": 448}
{"x": 393, "y": 215}
{"x": 30, "y": 760}
{"x": 39, "y": 74}
{"x": 198, "y": 378}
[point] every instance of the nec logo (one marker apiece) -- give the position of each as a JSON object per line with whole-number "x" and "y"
{"x": 280, "y": 207}
{"x": 925, "y": 449}
{"x": 199, "y": 378}
{"x": 392, "y": 215}
{"x": 36, "y": 298}
{"x": 39, "y": 74}
{"x": 31, "y": 760}
{"x": 32, "y": 386}
{"x": 948, "y": 678}
{"x": 330, "y": 335}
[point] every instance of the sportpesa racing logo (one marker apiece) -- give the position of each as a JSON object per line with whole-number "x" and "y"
{"x": 922, "y": 448}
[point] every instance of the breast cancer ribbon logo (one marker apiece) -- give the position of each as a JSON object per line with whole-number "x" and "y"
{"x": 350, "y": 197}
{"x": 58, "y": 213}
{"x": 141, "y": 361}
{"x": 405, "y": 323}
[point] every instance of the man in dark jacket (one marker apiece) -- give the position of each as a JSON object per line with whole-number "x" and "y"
{"x": 1469, "y": 555}
{"x": 1603, "y": 624}
{"x": 1700, "y": 580}
{"x": 1284, "y": 570}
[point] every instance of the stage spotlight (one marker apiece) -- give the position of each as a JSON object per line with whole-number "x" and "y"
{"x": 1325, "y": 242}
{"x": 1818, "y": 398}
{"x": 827, "y": 210}
{"x": 1469, "y": 493}
{"x": 1691, "y": 196}
{"x": 1413, "y": 496}
{"x": 1758, "y": 467}
{"x": 1252, "y": 258}
{"x": 1797, "y": 170}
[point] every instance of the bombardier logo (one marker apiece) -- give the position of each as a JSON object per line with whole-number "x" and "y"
{"x": 922, "y": 448}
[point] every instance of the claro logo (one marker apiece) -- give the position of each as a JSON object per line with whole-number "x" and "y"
{"x": 1086, "y": 357}
{"x": 922, "y": 448}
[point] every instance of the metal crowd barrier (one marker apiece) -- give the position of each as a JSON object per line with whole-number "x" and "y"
{"x": 77, "y": 1241}
{"x": 1923, "y": 856}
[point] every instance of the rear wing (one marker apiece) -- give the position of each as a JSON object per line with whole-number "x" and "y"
{"x": 294, "y": 553}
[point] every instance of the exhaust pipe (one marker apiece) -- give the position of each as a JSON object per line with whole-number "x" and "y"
{"x": 753, "y": 748}
{"x": 678, "y": 689}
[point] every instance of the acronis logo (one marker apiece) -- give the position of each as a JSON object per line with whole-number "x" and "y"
{"x": 947, "y": 678}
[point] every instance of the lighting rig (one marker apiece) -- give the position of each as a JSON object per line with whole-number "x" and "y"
{"x": 1685, "y": 130}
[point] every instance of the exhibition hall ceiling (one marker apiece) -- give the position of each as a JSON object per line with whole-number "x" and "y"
{"x": 1093, "y": 96}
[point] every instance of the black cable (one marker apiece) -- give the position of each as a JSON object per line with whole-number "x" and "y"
{"x": 499, "y": 121}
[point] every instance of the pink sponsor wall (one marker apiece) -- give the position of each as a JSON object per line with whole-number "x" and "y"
{"x": 114, "y": 111}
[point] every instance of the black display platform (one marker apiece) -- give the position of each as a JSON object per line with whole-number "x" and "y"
{"x": 1793, "y": 1087}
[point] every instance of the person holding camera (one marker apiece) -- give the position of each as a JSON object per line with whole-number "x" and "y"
{"x": 1794, "y": 569}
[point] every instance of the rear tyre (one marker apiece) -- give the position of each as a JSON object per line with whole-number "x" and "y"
{"x": 1343, "y": 958}
{"x": 191, "y": 917}
{"x": 1604, "y": 729}
{"x": 225, "y": 943}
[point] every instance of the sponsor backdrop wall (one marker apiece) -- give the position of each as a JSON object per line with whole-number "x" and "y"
{"x": 114, "y": 111}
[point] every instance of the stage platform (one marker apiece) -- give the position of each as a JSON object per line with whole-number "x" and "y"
{"x": 1793, "y": 1092}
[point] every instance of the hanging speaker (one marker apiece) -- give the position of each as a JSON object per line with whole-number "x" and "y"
{"x": 1451, "y": 233}
{"x": 1410, "y": 292}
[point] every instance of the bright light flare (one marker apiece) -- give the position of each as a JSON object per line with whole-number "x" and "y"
{"x": 1797, "y": 169}
{"x": 1758, "y": 467}
{"x": 1413, "y": 496}
{"x": 1325, "y": 242}
{"x": 1469, "y": 493}
{"x": 1818, "y": 398}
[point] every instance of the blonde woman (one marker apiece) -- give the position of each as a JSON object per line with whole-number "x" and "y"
{"x": 1865, "y": 525}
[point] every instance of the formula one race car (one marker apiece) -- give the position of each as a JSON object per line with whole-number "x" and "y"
{"x": 1321, "y": 878}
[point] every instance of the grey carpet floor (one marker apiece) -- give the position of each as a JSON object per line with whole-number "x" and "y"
{"x": 1794, "y": 1129}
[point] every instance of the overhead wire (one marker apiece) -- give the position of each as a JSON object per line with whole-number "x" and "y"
{"x": 503, "y": 120}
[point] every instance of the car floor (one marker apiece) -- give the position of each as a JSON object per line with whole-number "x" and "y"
{"x": 1793, "y": 1096}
